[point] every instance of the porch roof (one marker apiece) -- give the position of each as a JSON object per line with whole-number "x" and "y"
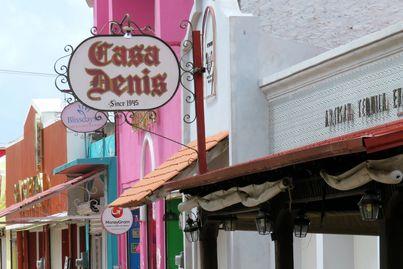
{"x": 370, "y": 140}
{"x": 47, "y": 194}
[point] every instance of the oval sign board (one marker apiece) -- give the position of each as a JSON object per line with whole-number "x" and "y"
{"x": 82, "y": 119}
{"x": 117, "y": 220}
{"x": 115, "y": 73}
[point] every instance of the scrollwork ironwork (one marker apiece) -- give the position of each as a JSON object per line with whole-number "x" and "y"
{"x": 127, "y": 26}
{"x": 61, "y": 69}
{"x": 187, "y": 68}
{"x": 188, "y": 119}
{"x": 94, "y": 204}
{"x": 123, "y": 27}
{"x": 139, "y": 120}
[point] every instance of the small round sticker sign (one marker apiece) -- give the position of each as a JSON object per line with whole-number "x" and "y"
{"x": 117, "y": 220}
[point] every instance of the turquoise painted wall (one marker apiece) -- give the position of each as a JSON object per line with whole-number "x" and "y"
{"x": 102, "y": 148}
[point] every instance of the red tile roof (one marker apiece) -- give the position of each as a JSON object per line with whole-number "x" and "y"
{"x": 137, "y": 194}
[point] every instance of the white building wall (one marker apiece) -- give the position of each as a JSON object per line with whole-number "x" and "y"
{"x": 338, "y": 251}
{"x": 236, "y": 108}
{"x": 223, "y": 249}
{"x": 281, "y": 34}
{"x": 323, "y": 23}
{"x": 305, "y": 252}
{"x": 276, "y": 54}
{"x": 217, "y": 108}
{"x": 4, "y": 252}
{"x": 75, "y": 146}
{"x": 56, "y": 247}
{"x": 366, "y": 252}
{"x": 251, "y": 251}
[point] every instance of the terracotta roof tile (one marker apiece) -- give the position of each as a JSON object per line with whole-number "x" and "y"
{"x": 137, "y": 194}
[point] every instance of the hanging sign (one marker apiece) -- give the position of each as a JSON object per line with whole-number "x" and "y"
{"x": 117, "y": 220}
{"x": 115, "y": 73}
{"x": 82, "y": 119}
{"x": 209, "y": 51}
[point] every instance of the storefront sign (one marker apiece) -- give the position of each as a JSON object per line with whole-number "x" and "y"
{"x": 38, "y": 129}
{"x": 365, "y": 108}
{"x": 114, "y": 73}
{"x": 82, "y": 119}
{"x": 28, "y": 187}
{"x": 117, "y": 220}
{"x": 209, "y": 51}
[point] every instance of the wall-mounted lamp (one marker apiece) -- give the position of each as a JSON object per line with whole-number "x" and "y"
{"x": 301, "y": 225}
{"x": 229, "y": 224}
{"x": 192, "y": 228}
{"x": 264, "y": 223}
{"x": 370, "y": 206}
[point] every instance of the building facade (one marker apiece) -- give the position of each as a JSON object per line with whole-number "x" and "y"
{"x": 261, "y": 54}
{"x": 38, "y": 232}
{"x": 153, "y": 241}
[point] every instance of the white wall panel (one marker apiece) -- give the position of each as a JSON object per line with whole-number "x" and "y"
{"x": 297, "y": 116}
{"x": 323, "y": 23}
{"x": 55, "y": 248}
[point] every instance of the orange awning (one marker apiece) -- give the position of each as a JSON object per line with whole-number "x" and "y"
{"x": 137, "y": 194}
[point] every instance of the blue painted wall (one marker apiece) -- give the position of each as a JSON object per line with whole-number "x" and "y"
{"x": 102, "y": 152}
{"x": 102, "y": 148}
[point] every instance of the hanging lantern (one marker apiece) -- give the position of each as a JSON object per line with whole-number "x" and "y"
{"x": 264, "y": 223}
{"x": 192, "y": 229}
{"x": 301, "y": 225}
{"x": 229, "y": 224}
{"x": 370, "y": 206}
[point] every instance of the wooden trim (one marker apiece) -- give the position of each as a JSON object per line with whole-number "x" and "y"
{"x": 72, "y": 230}
{"x": 20, "y": 255}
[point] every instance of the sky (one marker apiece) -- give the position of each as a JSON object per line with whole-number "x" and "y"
{"x": 33, "y": 37}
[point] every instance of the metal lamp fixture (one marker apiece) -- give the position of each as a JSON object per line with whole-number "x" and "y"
{"x": 370, "y": 206}
{"x": 229, "y": 224}
{"x": 264, "y": 223}
{"x": 192, "y": 228}
{"x": 301, "y": 225}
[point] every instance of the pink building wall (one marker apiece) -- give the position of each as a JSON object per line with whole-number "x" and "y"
{"x": 164, "y": 17}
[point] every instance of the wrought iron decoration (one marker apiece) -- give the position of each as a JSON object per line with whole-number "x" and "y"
{"x": 139, "y": 120}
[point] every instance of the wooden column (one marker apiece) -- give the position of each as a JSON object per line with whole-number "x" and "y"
{"x": 73, "y": 244}
{"x": 46, "y": 245}
{"x": 208, "y": 246}
{"x": 25, "y": 249}
{"x": 283, "y": 235}
{"x": 20, "y": 249}
{"x": 199, "y": 102}
{"x": 391, "y": 233}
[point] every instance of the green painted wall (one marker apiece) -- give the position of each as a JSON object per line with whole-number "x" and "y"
{"x": 174, "y": 236}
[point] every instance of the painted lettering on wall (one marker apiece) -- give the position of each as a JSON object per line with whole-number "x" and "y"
{"x": 365, "y": 108}
{"x": 340, "y": 114}
{"x": 373, "y": 105}
{"x": 28, "y": 187}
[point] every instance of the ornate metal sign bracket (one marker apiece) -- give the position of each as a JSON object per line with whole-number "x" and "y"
{"x": 193, "y": 71}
